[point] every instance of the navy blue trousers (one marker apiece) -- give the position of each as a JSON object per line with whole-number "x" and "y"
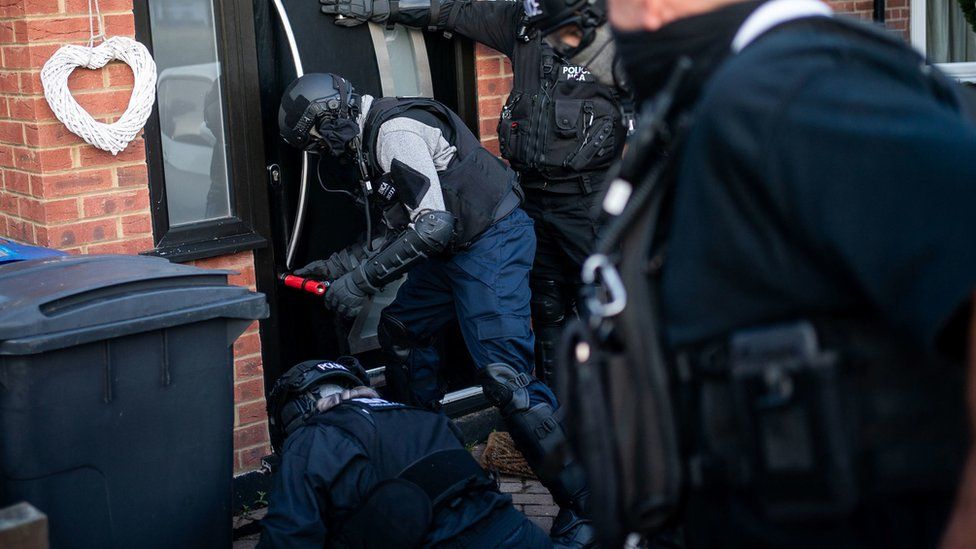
{"x": 486, "y": 290}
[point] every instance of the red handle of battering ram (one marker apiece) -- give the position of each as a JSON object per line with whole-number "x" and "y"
{"x": 305, "y": 284}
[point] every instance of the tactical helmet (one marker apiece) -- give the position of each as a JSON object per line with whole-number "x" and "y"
{"x": 292, "y": 399}
{"x": 547, "y": 16}
{"x": 319, "y": 110}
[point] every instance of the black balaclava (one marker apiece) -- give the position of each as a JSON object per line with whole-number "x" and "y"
{"x": 649, "y": 57}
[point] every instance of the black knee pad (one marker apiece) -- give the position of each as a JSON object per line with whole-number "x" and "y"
{"x": 505, "y": 387}
{"x": 394, "y": 337}
{"x": 548, "y": 303}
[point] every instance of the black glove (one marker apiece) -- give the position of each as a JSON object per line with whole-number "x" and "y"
{"x": 336, "y": 265}
{"x": 350, "y": 13}
{"x": 347, "y": 295}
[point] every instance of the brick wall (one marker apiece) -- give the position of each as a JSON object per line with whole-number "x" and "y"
{"x": 57, "y": 191}
{"x": 495, "y": 71}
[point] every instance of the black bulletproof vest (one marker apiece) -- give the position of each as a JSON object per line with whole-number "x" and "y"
{"x": 396, "y": 437}
{"x": 474, "y": 184}
{"x": 559, "y": 122}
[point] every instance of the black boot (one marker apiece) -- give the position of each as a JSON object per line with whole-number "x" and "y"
{"x": 539, "y": 435}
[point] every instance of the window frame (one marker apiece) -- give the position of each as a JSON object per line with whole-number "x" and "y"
{"x": 237, "y": 52}
{"x": 962, "y": 72}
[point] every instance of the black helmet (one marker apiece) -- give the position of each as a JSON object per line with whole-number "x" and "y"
{"x": 324, "y": 102}
{"x": 292, "y": 399}
{"x": 546, "y": 16}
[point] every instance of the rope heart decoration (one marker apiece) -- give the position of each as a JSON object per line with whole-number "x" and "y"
{"x": 115, "y": 137}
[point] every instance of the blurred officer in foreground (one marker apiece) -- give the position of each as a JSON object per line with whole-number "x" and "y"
{"x": 777, "y": 333}
{"x": 358, "y": 471}
{"x": 451, "y": 210}
{"x": 563, "y": 125}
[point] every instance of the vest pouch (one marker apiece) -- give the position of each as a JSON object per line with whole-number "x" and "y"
{"x": 596, "y": 149}
{"x": 513, "y": 124}
{"x": 568, "y": 113}
{"x": 797, "y": 458}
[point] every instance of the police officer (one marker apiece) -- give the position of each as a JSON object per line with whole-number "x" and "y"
{"x": 358, "y": 471}
{"x": 454, "y": 222}
{"x": 805, "y": 252}
{"x": 562, "y": 126}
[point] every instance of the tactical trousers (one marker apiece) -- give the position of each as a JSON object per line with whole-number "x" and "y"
{"x": 485, "y": 289}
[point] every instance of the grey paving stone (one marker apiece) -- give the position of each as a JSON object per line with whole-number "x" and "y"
{"x": 540, "y": 510}
{"x": 544, "y": 522}
{"x": 532, "y": 499}
{"x": 535, "y": 487}
{"x": 510, "y": 487}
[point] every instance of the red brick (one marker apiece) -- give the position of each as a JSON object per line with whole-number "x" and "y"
{"x": 16, "y": 181}
{"x": 107, "y": 6}
{"x": 46, "y": 159}
{"x": 249, "y": 390}
{"x": 9, "y": 203}
{"x": 250, "y": 458}
{"x": 40, "y": 7}
{"x": 481, "y": 50}
{"x": 247, "y": 344}
{"x": 16, "y": 57}
{"x": 251, "y": 435}
{"x": 48, "y": 212}
{"x": 9, "y": 82}
{"x": 125, "y": 247}
{"x": 7, "y": 33}
{"x": 7, "y": 155}
{"x": 133, "y": 175}
{"x": 21, "y": 231}
{"x": 120, "y": 25}
{"x": 135, "y": 152}
{"x": 499, "y": 85}
{"x": 244, "y": 278}
{"x": 72, "y": 183}
{"x": 104, "y": 102}
{"x": 117, "y": 203}
{"x": 137, "y": 225}
{"x": 120, "y": 75}
{"x": 236, "y": 261}
{"x": 3, "y": 226}
{"x": 40, "y": 53}
{"x": 252, "y": 412}
{"x": 507, "y": 66}
{"x": 60, "y": 29}
{"x": 49, "y": 135}
{"x": 85, "y": 232}
{"x": 12, "y": 132}
{"x": 491, "y": 66}
{"x": 490, "y": 107}
{"x": 491, "y": 145}
{"x": 86, "y": 79}
{"x": 248, "y": 367}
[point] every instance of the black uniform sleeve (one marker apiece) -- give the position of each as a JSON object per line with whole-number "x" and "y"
{"x": 321, "y": 469}
{"x": 493, "y": 23}
{"x": 881, "y": 180}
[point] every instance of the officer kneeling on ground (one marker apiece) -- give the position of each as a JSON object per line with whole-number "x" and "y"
{"x": 358, "y": 471}
{"x": 452, "y": 213}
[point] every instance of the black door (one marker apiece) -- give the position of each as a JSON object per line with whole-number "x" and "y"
{"x": 309, "y": 218}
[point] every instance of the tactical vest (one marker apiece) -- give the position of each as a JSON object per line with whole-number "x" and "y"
{"x": 399, "y": 509}
{"x": 802, "y": 421}
{"x": 478, "y": 188}
{"x": 559, "y": 122}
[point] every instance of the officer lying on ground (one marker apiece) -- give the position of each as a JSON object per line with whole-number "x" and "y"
{"x": 563, "y": 125}
{"x": 452, "y": 209}
{"x": 358, "y": 471}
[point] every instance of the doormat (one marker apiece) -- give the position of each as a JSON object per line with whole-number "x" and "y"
{"x": 501, "y": 455}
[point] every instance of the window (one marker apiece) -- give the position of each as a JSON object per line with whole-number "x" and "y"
{"x": 939, "y": 29}
{"x": 199, "y": 135}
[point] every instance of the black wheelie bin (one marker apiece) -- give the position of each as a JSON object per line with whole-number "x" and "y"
{"x": 116, "y": 398}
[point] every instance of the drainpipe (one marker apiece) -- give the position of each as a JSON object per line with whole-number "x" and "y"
{"x": 879, "y": 11}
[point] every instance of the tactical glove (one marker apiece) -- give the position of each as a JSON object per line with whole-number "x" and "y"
{"x": 336, "y": 265}
{"x": 350, "y": 13}
{"x": 347, "y": 295}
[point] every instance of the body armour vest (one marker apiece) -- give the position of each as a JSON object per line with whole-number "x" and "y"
{"x": 475, "y": 184}
{"x": 403, "y": 444}
{"x": 559, "y": 122}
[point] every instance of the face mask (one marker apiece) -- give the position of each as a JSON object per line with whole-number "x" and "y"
{"x": 336, "y": 134}
{"x": 599, "y": 57}
{"x": 648, "y": 57}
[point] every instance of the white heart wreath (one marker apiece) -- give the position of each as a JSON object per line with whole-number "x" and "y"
{"x": 113, "y": 138}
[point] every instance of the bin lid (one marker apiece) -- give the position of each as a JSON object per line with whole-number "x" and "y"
{"x": 59, "y": 302}
{"x": 14, "y": 251}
